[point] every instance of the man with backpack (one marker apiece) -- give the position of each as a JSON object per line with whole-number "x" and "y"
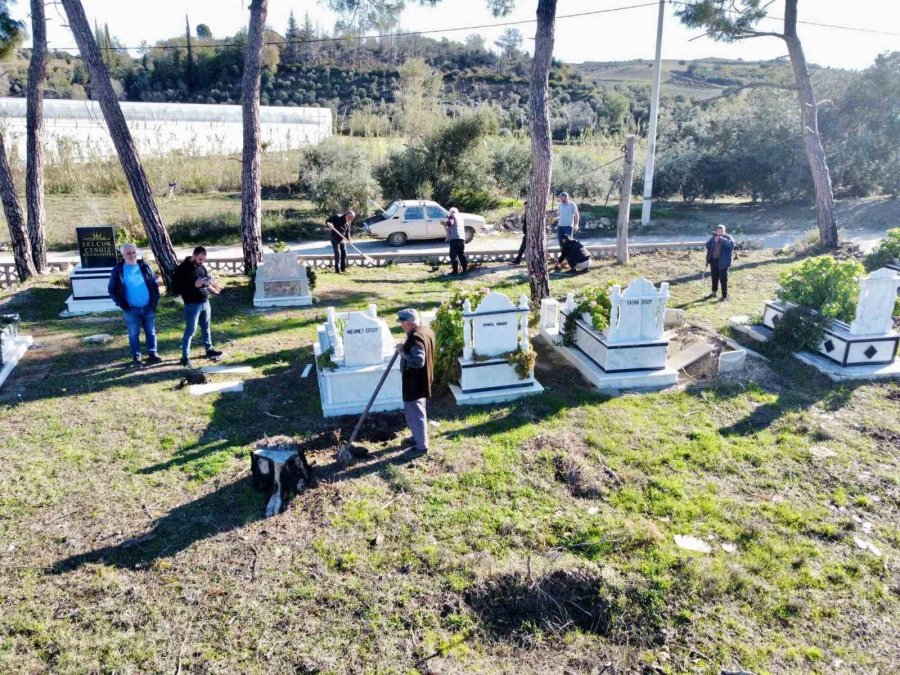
{"x": 194, "y": 283}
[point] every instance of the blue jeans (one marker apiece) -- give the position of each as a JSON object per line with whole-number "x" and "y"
{"x": 562, "y": 230}
{"x": 194, "y": 313}
{"x": 135, "y": 318}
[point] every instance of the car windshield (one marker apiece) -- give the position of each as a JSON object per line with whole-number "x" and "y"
{"x": 391, "y": 210}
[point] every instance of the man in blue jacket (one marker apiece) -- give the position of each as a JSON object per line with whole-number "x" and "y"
{"x": 133, "y": 287}
{"x": 719, "y": 252}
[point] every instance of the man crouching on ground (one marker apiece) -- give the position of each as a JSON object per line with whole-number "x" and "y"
{"x": 416, "y": 373}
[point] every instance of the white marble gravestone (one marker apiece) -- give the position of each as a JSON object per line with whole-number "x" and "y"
{"x": 631, "y": 353}
{"x": 360, "y": 346}
{"x": 496, "y": 328}
{"x": 281, "y": 281}
{"x": 875, "y": 308}
{"x": 13, "y": 345}
{"x": 866, "y": 348}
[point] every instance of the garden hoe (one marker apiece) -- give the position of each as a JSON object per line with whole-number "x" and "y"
{"x": 348, "y": 450}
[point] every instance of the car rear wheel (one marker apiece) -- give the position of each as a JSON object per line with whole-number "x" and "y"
{"x": 397, "y": 239}
{"x": 470, "y": 234}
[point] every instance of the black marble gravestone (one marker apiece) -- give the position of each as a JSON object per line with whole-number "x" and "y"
{"x": 97, "y": 246}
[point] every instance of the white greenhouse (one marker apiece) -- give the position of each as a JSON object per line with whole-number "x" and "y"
{"x": 77, "y": 128}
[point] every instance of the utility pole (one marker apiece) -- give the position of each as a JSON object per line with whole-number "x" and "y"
{"x": 625, "y": 202}
{"x": 654, "y": 114}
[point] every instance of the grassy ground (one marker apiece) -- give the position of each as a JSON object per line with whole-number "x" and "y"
{"x": 537, "y": 537}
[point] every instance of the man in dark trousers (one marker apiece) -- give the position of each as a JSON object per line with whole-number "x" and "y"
{"x": 456, "y": 236}
{"x": 194, "y": 284}
{"x": 133, "y": 287}
{"x": 521, "y": 252}
{"x": 339, "y": 227}
{"x": 574, "y": 254}
{"x": 416, "y": 372}
{"x": 719, "y": 253}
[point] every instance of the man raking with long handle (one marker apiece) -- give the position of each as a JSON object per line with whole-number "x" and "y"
{"x": 339, "y": 226}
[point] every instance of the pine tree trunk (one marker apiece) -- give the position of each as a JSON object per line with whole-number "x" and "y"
{"x": 34, "y": 167}
{"x": 251, "y": 179}
{"x": 812, "y": 141}
{"x": 101, "y": 89}
{"x": 18, "y": 234}
{"x": 541, "y": 153}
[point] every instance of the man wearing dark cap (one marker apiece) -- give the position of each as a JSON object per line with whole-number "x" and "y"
{"x": 416, "y": 373}
{"x": 339, "y": 226}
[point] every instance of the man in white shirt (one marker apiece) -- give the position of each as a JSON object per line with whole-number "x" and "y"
{"x": 568, "y": 218}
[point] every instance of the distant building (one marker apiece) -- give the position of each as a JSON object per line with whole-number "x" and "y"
{"x": 76, "y": 129}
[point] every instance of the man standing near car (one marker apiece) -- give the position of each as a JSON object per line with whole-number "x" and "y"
{"x": 568, "y": 218}
{"x": 457, "y": 238}
{"x": 416, "y": 374}
{"x": 339, "y": 226}
{"x": 133, "y": 287}
{"x": 719, "y": 252}
{"x": 194, "y": 284}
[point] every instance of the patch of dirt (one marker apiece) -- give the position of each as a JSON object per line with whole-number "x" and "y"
{"x": 582, "y": 479}
{"x": 517, "y": 605}
{"x": 706, "y": 368}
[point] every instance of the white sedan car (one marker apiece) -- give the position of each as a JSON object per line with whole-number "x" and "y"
{"x": 417, "y": 219}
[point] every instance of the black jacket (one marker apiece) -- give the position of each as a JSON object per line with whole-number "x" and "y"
{"x": 186, "y": 274}
{"x": 116, "y": 287}
{"x": 339, "y": 223}
{"x": 573, "y": 252}
{"x": 417, "y": 381}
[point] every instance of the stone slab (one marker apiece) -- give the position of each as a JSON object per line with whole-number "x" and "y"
{"x": 690, "y": 354}
{"x": 674, "y": 318}
{"x": 290, "y": 301}
{"x": 754, "y": 331}
{"x": 737, "y": 345}
{"x": 235, "y": 370}
{"x": 81, "y": 307}
{"x": 732, "y": 361}
{"x": 843, "y": 374}
{"x": 11, "y": 360}
{"x": 495, "y": 396}
{"x": 232, "y": 386}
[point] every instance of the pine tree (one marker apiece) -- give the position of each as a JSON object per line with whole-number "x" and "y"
{"x": 190, "y": 75}
{"x": 307, "y": 34}
{"x": 290, "y": 53}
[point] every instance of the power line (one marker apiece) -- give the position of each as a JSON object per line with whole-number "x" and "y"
{"x": 807, "y": 23}
{"x": 347, "y": 38}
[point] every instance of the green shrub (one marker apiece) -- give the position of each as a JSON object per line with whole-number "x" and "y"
{"x": 337, "y": 176}
{"x": 448, "y": 333}
{"x": 594, "y": 301}
{"x": 798, "y": 329}
{"x": 823, "y": 284}
{"x": 886, "y": 252}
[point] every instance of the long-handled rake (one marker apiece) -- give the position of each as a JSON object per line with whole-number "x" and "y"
{"x": 345, "y": 453}
{"x": 365, "y": 257}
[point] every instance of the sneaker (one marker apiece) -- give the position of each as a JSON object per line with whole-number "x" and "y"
{"x": 186, "y": 362}
{"x": 136, "y": 363}
{"x": 213, "y": 353}
{"x": 153, "y": 359}
{"x": 724, "y": 298}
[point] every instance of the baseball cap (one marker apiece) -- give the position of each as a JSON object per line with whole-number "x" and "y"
{"x": 407, "y": 315}
{"x": 563, "y": 194}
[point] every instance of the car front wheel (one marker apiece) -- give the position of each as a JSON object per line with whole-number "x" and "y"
{"x": 397, "y": 239}
{"x": 470, "y": 234}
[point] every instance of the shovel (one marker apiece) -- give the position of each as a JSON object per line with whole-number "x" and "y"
{"x": 702, "y": 275}
{"x": 346, "y": 452}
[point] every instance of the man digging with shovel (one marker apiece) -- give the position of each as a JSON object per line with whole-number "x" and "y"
{"x": 339, "y": 226}
{"x": 416, "y": 373}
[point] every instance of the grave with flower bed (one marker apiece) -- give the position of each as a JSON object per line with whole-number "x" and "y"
{"x": 614, "y": 338}
{"x": 832, "y": 317}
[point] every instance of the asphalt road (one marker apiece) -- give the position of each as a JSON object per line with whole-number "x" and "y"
{"x": 866, "y": 239}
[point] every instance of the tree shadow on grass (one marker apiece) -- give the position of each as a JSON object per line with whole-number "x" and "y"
{"x": 230, "y": 507}
{"x": 798, "y": 388}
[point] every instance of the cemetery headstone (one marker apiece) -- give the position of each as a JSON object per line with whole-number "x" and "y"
{"x": 363, "y": 341}
{"x": 281, "y": 281}
{"x": 494, "y": 331}
{"x": 12, "y": 345}
{"x": 875, "y": 308}
{"x": 97, "y": 247}
{"x": 90, "y": 278}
